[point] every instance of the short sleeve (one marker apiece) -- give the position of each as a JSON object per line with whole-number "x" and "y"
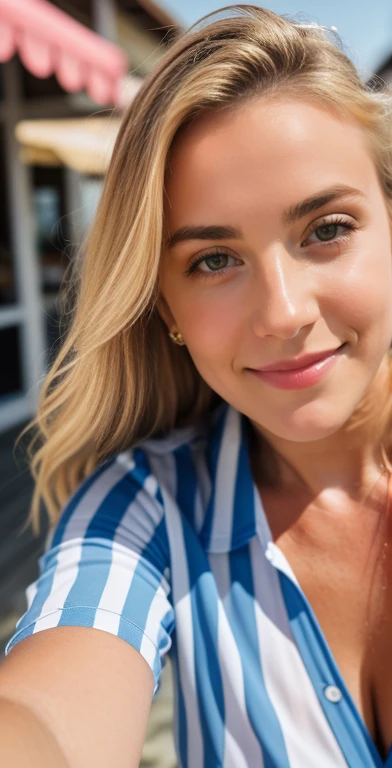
{"x": 106, "y": 563}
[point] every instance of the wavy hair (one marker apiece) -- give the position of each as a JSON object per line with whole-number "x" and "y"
{"x": 118, "y": 379}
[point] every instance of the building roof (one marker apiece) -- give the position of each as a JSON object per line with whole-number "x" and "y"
{"x": 152, "y": 11}
{"x": 382, "y": 74}
{"x": 386, "y": 66}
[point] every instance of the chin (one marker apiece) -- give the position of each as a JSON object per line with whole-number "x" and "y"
{"x": 308, "y": 423}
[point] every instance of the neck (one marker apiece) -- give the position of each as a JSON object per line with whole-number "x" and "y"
{"x": 349, "y": 460}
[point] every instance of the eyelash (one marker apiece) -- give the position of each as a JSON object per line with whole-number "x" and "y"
{"x": 338, "y": 221}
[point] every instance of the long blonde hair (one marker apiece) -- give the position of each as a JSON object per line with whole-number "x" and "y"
{"x": 118, "y": 378}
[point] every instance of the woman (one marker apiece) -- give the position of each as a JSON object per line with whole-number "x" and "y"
{"x": 215, "y": 431}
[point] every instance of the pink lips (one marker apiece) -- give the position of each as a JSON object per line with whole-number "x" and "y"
{"x": 300, "y": 373}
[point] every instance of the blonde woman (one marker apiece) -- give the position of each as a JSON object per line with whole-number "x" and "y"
{"x": 214, "y": 437}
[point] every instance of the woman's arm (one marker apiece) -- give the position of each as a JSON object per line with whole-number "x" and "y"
{"x": 82, "y": 697}
{"x": 25, "y": 742}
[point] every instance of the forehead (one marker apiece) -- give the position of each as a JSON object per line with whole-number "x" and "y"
{"x": 262, "y": 155}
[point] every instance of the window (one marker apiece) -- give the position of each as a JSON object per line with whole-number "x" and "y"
{"x": 10, "y": 353}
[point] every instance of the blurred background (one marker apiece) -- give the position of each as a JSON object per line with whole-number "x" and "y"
{"x": 68, "y": 68}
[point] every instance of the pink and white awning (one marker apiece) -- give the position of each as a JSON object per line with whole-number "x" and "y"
{"x": 49, "y": 41}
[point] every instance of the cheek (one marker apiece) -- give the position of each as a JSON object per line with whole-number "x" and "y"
{"x": 212, "y": 327}
{"x": 213, "y": 322}
{"x": 362, "y": 290}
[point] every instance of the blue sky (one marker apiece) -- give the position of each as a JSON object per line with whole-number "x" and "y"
{"x": 365, "y": 26}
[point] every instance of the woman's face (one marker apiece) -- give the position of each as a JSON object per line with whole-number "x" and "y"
{"x": 280, "y": 247}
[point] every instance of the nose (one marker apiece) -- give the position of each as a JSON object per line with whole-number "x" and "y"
{"x": 284, "y": 298}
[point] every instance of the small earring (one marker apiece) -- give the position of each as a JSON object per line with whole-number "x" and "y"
{"x": 177, "y": 338}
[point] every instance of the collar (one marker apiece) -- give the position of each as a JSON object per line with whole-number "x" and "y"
{"x": 234, "y": 513}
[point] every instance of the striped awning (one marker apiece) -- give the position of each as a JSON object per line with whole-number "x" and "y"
{"x": 49, "y": 41}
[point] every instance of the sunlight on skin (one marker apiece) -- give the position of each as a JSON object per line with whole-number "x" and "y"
{"x": 282, "y": 289}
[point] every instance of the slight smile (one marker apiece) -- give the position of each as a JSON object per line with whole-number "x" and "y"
{"x": 285, "y": 375}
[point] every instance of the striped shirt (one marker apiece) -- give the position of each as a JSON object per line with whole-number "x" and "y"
{"x": 168, "y": 547}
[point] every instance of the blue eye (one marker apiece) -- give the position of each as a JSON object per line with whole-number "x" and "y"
{"x": 216, "y": 262}
{"x": 327, "y": 231}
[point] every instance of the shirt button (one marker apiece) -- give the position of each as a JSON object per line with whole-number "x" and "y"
{"x": 269, "y": 553}
{"x": 332, "y": 693}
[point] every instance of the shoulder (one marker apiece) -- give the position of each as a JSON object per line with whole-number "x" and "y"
{"x": 129, "y": 481}
{"x": 126, "y": 499}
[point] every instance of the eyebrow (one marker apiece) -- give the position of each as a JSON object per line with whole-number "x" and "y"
{"x": 213, "y": 232}
{"x": 292, "y": 214}
{"x": 298, "y": 211}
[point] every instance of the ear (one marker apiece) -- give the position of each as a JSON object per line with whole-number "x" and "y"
{"x": 165, "y": 312}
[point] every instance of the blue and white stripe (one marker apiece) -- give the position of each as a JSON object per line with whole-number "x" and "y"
{"x": 168, "y": 547}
